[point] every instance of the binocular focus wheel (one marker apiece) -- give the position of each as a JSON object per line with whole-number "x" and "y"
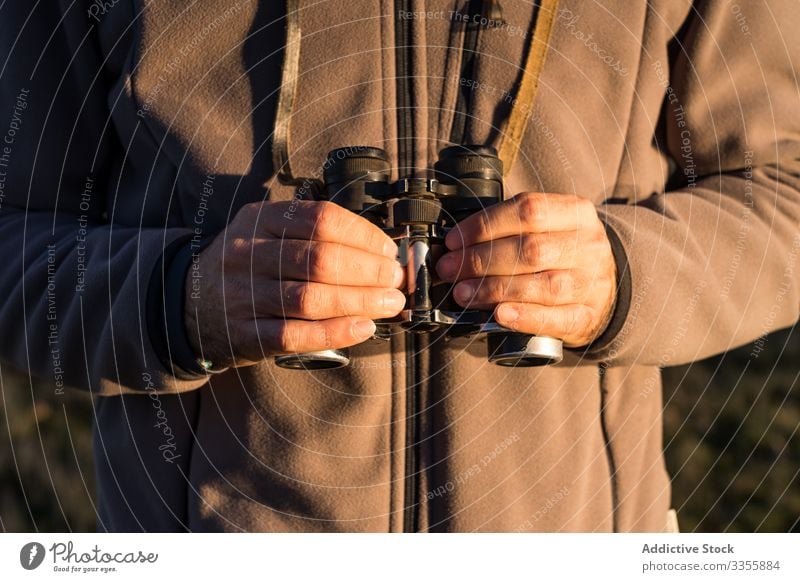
{"x": 324, "y": 360}
{"x": 525, "y": 351}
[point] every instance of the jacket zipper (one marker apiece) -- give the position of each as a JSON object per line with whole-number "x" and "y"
{"x": 416, "y": 346}
{"x": 405, "y": 138}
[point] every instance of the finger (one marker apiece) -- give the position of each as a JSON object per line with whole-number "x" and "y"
{"x": 528, "y": 212}
{"x": 544, "y": 288}
{"x": 528, "y": 253}
{"x": 282, "y": 336}
{"x": 315, "y": 301}
{"x": 325, "y": 262}
{"x": 322, "y": 221}
{"x": 574, "y": 324}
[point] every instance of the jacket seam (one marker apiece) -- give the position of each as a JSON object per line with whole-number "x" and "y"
{"x": 612, "y": 464}
{"x": 190, "y": 460}
{"x": 452, "y": 69}
{"x": 635, "y": 92}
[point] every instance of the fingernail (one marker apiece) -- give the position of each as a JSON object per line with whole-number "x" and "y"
{"x": 463, "y": 292}
{"x": 393, "y": 301}
{"x": 390, "y": 249}
{"x": 446, "y": 267}
{"x": 507, "y": 314}
{"x": 363, "y": 329}
{"x": 399, "y": 275}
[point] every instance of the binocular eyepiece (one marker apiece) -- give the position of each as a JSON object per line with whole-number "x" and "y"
{"x": 417, "y": 213}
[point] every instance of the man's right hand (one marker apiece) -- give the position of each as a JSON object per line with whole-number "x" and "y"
{"x": 288, "y": 277}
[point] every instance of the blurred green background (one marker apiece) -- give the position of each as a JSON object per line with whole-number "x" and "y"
{"x": 731, "y": 441}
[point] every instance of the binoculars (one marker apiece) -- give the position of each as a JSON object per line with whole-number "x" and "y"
{"x": 417, "y": 213}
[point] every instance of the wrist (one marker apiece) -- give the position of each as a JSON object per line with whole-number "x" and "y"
{"x": 601, "y": 346}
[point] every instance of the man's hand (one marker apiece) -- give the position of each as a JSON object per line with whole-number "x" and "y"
{"x": 543, "y": 262}
{"x": 291, "y": 277}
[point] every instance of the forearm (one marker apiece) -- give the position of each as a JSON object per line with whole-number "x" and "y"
{"x": 77, "y": 301}
{"x": 709, "y": 268}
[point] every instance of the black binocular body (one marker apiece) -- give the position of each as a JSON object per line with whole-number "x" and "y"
{"x": 417, "y": 213}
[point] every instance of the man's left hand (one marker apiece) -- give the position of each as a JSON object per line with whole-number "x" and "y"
{"x": 543, "y": 262}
